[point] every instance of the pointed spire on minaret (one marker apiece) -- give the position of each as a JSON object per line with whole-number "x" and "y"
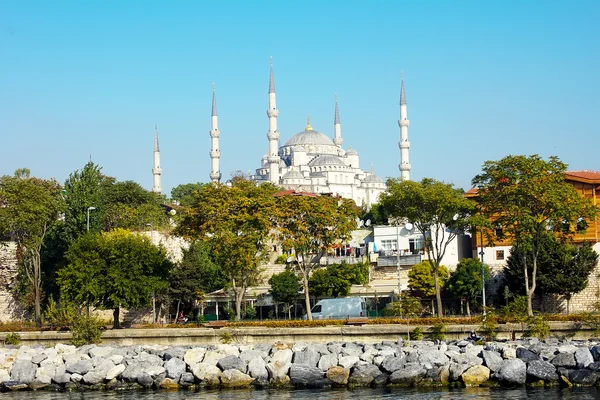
{"x": 271, "y": 78}
{"x": 308, "y": 127}
{"x": 215, "y": 153}
{"x": 157, "y": 170}
{"x": 337, "y": 127}
{"x": 214, "y": 102}
{"x": 402, "y": 93}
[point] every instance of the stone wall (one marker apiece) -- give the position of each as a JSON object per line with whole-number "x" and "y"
{"x": 9, "y": 307}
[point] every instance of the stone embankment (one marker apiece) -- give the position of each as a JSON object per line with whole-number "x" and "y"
{"x": 352, "y": 364}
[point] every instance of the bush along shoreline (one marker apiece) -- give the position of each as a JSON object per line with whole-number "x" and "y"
{"x": 337, "y": 364}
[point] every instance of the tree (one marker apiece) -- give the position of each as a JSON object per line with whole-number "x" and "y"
{"x": 465, "y": 281}
{"x": 421, "y": 278}
{"x": 113, "y": 270}
{"x": 183, "y": 193}
{"x": 236, "y": 221}
{"x": 563, "y": 268}
{"x": 336, "y": 279}
{"x": 195, "y": 275}
{"x": 309, "y": 225}
{"x": 22, "y": 173}
{"x": 437, "y": 209}
{"x": 28, "y": 209}
{"x": 526, "y": 196}
{"x": 285, "y": 287}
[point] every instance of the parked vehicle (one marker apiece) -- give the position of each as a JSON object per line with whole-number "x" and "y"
{"x": 343, "y": 308}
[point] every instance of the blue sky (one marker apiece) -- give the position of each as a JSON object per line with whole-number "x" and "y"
{"x": 484, "y": 79}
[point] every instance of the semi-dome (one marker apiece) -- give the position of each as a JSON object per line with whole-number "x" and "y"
{"x": 372, "y": 179}
{"x": 293, "y": 175}
{"x": 326, "y": 159}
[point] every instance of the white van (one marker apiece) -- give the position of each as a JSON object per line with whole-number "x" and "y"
{"x": 348, "y": 307}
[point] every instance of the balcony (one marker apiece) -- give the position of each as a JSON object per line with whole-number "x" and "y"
{"x": 387, "y": 258}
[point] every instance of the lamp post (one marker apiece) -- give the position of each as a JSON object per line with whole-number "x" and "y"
{"x": 88, "y": 217}
{"x": 398, "y": 266}
{"x": 153, "y": 293}
{"x": 481, "y": 253}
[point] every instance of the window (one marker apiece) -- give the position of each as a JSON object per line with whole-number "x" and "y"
{"x": 389, "y": 244}
{"x": 581, "y": 225}
{"x": 316, "y": 309}
{"x": 415, "y": 245}
{"x": 499, "y": 255}
{"x": 499, "y": 231}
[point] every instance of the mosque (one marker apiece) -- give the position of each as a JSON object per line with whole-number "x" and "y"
{"x": 309, "y": 161}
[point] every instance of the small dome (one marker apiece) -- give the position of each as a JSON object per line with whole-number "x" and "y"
{"x": 326, "y": 159}
{"x": 351, "y": 152}
{"x": 372, "y": 179}
{"x": 293, "y": 175}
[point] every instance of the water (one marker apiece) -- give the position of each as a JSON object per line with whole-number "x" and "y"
{"x": 329, "y": 394}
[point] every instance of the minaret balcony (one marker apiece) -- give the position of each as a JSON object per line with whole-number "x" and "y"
{"x": 215, "y": 175}
{"x": 157, "y": 171}
{"x": 403, "y": 122}
{"x": 273, "y": 113}
{"x": 404, "y": 166}
{"x": 215, "y": 133}
{"x": 338, "y": 141}
{"x": 273, "y": 159}
{"x": 404, "y": 144}
{"x": 215, "y": 153}
{"x": 273, "y": 135}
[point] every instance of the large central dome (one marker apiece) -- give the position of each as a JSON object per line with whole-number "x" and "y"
{"x": 308, "y": 137}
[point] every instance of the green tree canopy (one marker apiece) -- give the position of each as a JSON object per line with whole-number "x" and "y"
{"x": 563, "y": 268}
{"x": 420, "y": 278}
{"x": 28, "y": 209}
{"x": 183, "y": 193}
{"x": 336, "y": 280}
{"x": 113, "y": 270}
{"x": 527, "y": 195}
{"x": 309, "y": 226}
{"x": 285, "y": 287}
{"x": 437, "y": 209}
{"x": 465, "y": 280}
{"x": 236, "y": 221}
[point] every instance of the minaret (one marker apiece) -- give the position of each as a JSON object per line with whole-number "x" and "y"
{"x": 404, "y": 144}
{"x": 156, "y": 171}
{"x": 273, "y": 134}
{"x": 337, "y": 128}
{"x": 215, "y": 153}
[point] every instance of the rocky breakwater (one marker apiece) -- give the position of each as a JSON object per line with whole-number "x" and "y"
{"x": 415, "y": 363}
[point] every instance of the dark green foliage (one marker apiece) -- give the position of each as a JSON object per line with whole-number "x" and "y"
{"x": 537, "y": 326}
{"x": 465, "y": 281}
{"x": 417, "y": 333}
{"x": 408, "y": 306}
{"x": 184, "y": 193}
{"x": 336, "y": 279}
{"x": 281, "y": 259}
{"x": 86, "y": 330}
{"x": 13, "y": 339}
{"x": 375, "y": 214}
{"x": 285, "y": 287}
{"x": 59, "y": 315}
{"x": 516, "y": 310}
{"x": 438, "y": 331}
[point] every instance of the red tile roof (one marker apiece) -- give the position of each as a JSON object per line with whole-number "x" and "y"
{"x": 585, "y": 174}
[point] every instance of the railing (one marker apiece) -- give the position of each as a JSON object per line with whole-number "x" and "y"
{"x": 339, "y": 259}
{"x": 391, "y": 260}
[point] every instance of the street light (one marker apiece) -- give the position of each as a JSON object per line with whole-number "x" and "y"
{"x": 481, "y": 253}
{"x": 88, "y": 217}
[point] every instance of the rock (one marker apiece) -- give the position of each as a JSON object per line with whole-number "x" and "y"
{"x": 95, "y": 376}
{"x": 391, "y": 364}
{"x": 154, "y": 371}
{"x": 566, "y": 360}
{"x": 145, "y": 380}
{"x": 232, "y": 362}
{"x": 23, "y": 371}
{"x": 509, "y": 353}
{"x": 234, "y": 378}
{"x": 348, "y": 361}
{"x": 473, "y": 350}
{"x": 207, "y": 373}
{"x": 327, "y": 361}
{"x": 378, "y": 360}
{"x": 187, "y": 379}
{"x": 595, "y": 366}
{"x": 249, "y": 355}
{"x": 455, "y": 370}
{"x": 567, "y": 348}
{"x": 174, "y": 368}
{"x": 169, "y": 384}
{"x": 543, "y": 370}
{"x": 351, "y": 349}
{"x": 305, "y": 376}
{"x": 408, "y": 375}
{"x": 476, "y": 375}
{"x": 75, "y": 377}
{"x": 513, "y": 371}
{"x": 338, "y": 375}
{"x": 228, "y": 349}
{"x": 443, "y": 374}
{"x": 583, "y": 357}
{"x": 194, "y": 356}
{"x": 101, "y": 351}
{"x": 369, "y": 354}
{"x": 42, "y": 378}
{"x": 174, "y": 352}
{"x": 115, "y": 371}
{"x": 80, "y": 367}
{"x": 116, "y": 359}
{"x": 583, "y": 377}
{"x": 492, "y": 360}
{"x": 526, "y": 355}
{"x": 48, "y": 371}
{"x": 595, "y": 350}
{"x": 212, "y": 357}
{"x": 38, "y": 358}
{"x": 363, "y": 375}
{"x": 150, "y": 359}
{"x": 65, "y": 348}
{"x": 257, "y": 369}
{"x": 435, "y": 357}
{"x": 307, "y": 356}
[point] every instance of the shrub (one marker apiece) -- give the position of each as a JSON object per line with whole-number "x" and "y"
{"x": 408, "y": 306}
{"x": 489, "y": 328}
{"x": 230, "y": 313}
{"x": 438, "y": 331}
{"x": 417, "y": 333}
{"x": 87, "y": 330}
{"x": 12, "y": 339}
{"x": 59, "y": 315}
{"x": 225, "y": 337}
{"x": 281, "y": 259}
{"x": 251, "y": 312}
{"x": 537, "y": 327}
{"x": 515, "y": 311}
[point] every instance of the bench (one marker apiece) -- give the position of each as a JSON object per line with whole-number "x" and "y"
{"x": 216, "y": 324}
{"x": 358, "y": 321}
